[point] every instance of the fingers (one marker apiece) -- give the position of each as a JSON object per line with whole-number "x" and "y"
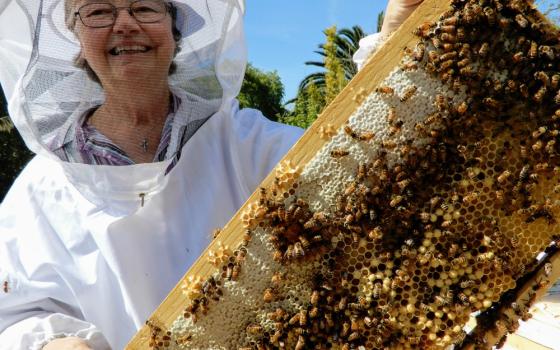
{"x": 396, "y": 13}
{"x": 69, "y": 343}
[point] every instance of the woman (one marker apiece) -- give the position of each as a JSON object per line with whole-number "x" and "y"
{"x": 88, "y": 249}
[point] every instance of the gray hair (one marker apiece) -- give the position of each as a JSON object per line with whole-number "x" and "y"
{"x": 80, "y": 62}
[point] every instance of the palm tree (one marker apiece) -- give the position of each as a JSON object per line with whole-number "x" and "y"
{"x": 347, "y": 42}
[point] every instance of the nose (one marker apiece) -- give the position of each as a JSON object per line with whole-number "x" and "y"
{"x": 125, "y": 23}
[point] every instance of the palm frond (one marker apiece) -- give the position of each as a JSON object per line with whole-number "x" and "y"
{"x": 318, "y": 79}
{"x": 315, "y": 63}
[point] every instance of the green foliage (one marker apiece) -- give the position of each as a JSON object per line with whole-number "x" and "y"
{"x": 318, "y": 89}
{"x": 346, "y": 42}
{"x": 380, "y": 18}
{"x": 308, "y": 106}
{"x": 13, "y": 152}
{"x": 263, "y": 91}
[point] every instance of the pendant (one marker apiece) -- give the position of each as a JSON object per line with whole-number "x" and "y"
{"x": 144, "y": 145}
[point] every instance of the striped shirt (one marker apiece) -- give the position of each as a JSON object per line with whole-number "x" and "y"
{"x": 83, "y": 143}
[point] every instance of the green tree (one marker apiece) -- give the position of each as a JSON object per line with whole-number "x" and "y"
{"x": 13, "y": 152}
{"x": 380, "y": 18}
{"x": 319, "y": 88}
{"x": 308, "y": 105}
{"x": 335, "y": 78}
{"x": 263, "y": 91}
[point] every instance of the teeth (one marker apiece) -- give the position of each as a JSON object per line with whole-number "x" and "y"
{"x": 135, "y": 48}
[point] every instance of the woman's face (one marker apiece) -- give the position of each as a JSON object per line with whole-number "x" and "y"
{"x": 128, "y": 49}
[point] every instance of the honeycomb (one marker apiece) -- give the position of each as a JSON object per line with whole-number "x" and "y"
{"x": 431, "y": 203}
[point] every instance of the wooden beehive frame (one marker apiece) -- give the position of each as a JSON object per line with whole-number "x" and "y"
{"x": 334, "y": 116}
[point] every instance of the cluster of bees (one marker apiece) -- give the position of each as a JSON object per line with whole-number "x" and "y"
{"x": 410, "y": 249}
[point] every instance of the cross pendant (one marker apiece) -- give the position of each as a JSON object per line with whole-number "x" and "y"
{"x": 144, "y": 145}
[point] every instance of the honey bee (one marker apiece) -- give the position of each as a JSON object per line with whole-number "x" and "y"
{"x": 519, "y": 57}
{"x": 329, "y": 320}
{"x": 463, "y": 63}
{"x": 440, "y": 301}
{"x": 303, "y": 318}
{"x": 433, "y": 57}
{"x": 445, "y": 65}
{"x": 269, "y": 295}
{"x": 315, "y": 296}
{"x": 440, "y": 102}
{"x": 395, "y": 200}
{"x": 521, "y": 21}
{"x": 408, "y": 93}
{"x": 254, "y": 329}
{"x": 298, "y": 251}
{"x": 294, "y": 319}
{"x": 366, "y": 136}
{"x": 423, "y": 30}
{"x": 543, "y": 77}
{"x": 438, "y": 44}
{"x": 463, "y": 297}
{"x": 533, "y": 50}
{"x": 339, "y": 153}
{"x": 353, "y": 336}
{"x": 448, "y": 29}
{"x": 350, "y": 132}
{"x": 490, "y": 15}
{"x": 409, "y": 66}
{"x": 376, "y": 291}
{"x": 215, "y": 233}
{"x": 485, "y": 256}
{"x": 448, "y": 37}
{"x": 471, "y": 197}
{"x": 555, "y": 81}
{"x": 345, "y": 329}
{"x": 451, "y": 21}
{"x": 537, "y": 146}
{"x": 448, "y": 56}
{"x": 419, "y": 51}
{"x": 547, "y": 52}
{"x": 547, "y": 269}
{"x": 387, "y": 90}
{"x": 300, "y": 345}
{"x": 342, "y": 303}
{"x": 504, "y": 176}
{"x": 539, "y": 95}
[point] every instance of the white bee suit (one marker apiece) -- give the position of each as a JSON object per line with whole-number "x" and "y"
{"x": 91, "y": 251}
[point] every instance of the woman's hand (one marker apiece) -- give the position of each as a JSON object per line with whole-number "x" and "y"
{"x": 69, "y": 343}
{"x": 395, "y": 14}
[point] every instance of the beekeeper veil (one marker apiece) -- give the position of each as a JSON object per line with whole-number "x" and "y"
{"x": 47, "y": 92}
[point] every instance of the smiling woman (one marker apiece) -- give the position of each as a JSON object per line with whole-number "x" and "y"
{"x": 88, "y": 249}
{"x": 123, "y": 45}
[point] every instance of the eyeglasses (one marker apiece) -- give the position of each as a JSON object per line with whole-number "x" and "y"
{"x": 103, "y": 14}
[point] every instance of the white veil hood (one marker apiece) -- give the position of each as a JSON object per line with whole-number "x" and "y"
{"x": 210, "y": 65}
{"x": 47, "y": 92}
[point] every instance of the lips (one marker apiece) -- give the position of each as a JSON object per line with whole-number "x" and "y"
{"x": 129, "y": 50}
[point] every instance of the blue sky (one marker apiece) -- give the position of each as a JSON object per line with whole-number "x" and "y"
{"x": 282, "y": 35}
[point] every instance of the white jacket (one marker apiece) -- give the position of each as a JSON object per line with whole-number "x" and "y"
{"x": 69, "y": 254}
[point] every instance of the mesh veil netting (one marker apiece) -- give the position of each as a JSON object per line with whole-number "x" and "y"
{"x": 51, "y": 92}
